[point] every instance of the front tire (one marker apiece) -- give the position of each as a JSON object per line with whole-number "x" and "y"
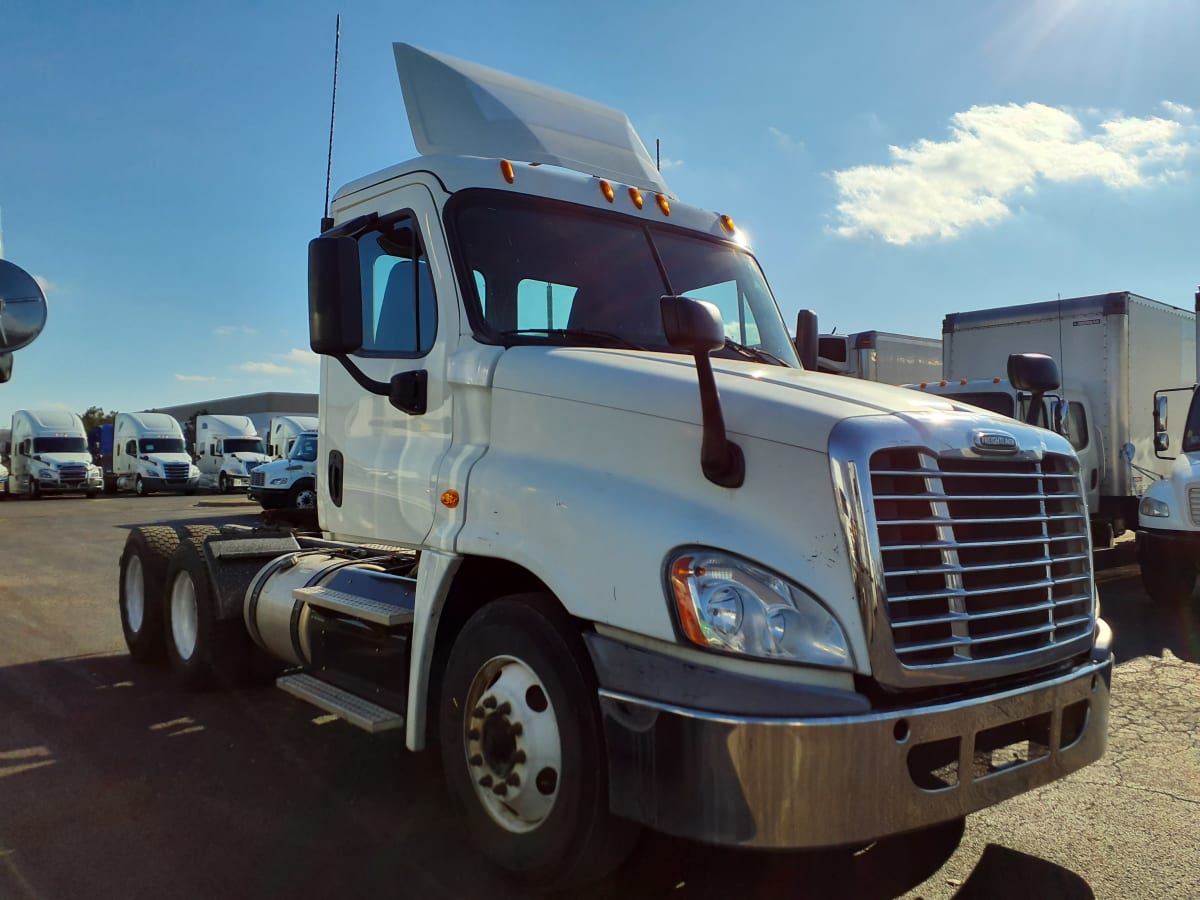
{"x": 523, "y": 748}
{"x": 1169, "y": 581}
{"x": 203, "y": 651}
{"x": 303, "y": 496}
{"x": 139, "y": 487}
{"x": 223, "y": 483}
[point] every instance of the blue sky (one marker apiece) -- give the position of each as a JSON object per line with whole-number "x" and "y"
{"x": 162, "y": 166}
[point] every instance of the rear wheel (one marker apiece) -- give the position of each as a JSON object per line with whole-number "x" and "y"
{"x": 203, "y": 651}
{"x": 523, "y": 748}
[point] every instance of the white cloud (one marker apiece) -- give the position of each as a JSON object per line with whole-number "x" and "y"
{"x": 938, "y": 189}
{"x": 1177, "y": 110}
{"x": 226, "y": 330}
{"x": 301, "y": 357}
{"x": 666, "y": 163}
{"x": 784, "y": 141}
{"x": 179, "y": 377}
{"x": 266, "y": 368}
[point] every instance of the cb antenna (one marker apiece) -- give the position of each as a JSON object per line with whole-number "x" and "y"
{"x": 326, "y": 221}
{"x": 1062, "y": 363}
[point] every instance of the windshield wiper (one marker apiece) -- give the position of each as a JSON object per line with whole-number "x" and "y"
{"x": 581, "y": 335}
{"x": 756, "y": 353}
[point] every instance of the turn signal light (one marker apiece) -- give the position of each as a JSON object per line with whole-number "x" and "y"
{"x": 506, "y": 169}
{"x": 450, "y": 499}
{"x": 607, "y": 190}
{"x": 663, "y": 204}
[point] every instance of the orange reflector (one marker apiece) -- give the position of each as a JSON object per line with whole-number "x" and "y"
{"x": 924, "y": 384}
{"x": 636, "y": 196}
{"x": 450, "y": 499}
{"x": 962, "y": 381}
{"x": 663, "y": 204}
{"x": 996, "y": 380}
{"x": 506, "y": 170}
{"x": 727, "y": 224}
{"x": 607, "y": 190}
{"x": 942, "y": 383}
{"x": 683, "y": 600}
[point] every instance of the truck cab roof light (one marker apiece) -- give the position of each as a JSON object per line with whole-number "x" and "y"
{"x": 663, "y": 204}
{"x": 727, "y": 224}
{"x": 636, "y": 196}
{"x": 506, "y": 169}
{"x": 607, "y": 190}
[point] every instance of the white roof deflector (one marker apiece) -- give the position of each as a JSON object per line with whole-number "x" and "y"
{"x": 458, "y": 108}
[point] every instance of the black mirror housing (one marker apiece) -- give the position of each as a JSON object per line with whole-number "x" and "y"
{"x": 1034, "y": 372}
{"x": 692, "y": 325}
{"x": 334, "y": 296}
{"x": 807, "y": 340}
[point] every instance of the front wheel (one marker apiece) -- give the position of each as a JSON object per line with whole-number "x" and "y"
{"x": 303, "y": 496}
{"x": 223, "y": 483}
{"x": 139, "y": 487}
{"x": 1169, "y": 581}
{"x": 523, "y": 748}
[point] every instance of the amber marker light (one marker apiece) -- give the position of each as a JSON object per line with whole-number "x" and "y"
{"x": 924, "y": 384}
{"x": 727, "y": 224}
{"x": 636, "y": 196}
{"x": 450, "y": 499}
{"x": 943, "y": 383}
{"x": 996, "y": 380}
{"x": 962, "y": 381}
{"x": 663, "y": 204}
{"x": 506, "y": 170}
{"x": 680, "y": 574}
{"x": 607, "y": 190}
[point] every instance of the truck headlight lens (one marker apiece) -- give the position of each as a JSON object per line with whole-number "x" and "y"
{"x": 279, "y": 481}
{"x": 1155, "y": 509}
{"x": 47, "y": 475}
{"x": 730, "y": 604}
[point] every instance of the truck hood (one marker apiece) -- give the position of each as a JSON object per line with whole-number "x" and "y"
{"x": 59, "y": 459}
{"x": 785, "y": 405}
{"x": 162, "y": 458}
{"x": 257, "y": 459}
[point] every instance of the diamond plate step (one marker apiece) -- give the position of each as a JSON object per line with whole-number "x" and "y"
{"x": 354, "y": 605}
{"x": 351, "y": 707}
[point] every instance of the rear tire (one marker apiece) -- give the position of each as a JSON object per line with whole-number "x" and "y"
{"x": 203, "y": 651}
{"x": 144, "y": 561}
{"x": 523, "y": 747}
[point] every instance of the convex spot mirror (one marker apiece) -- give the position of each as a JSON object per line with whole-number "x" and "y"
{"x": 1162, "y": 441}
{"x": 22, "y": 308}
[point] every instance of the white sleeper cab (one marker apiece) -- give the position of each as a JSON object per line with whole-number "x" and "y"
{"x": 49, "y": 455}
{"x": 589, "y": 525}
{"x": 149, "y": 455}
{"x": 228, "y": 449}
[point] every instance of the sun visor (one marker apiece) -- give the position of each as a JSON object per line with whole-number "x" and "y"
{"x": 457, "y": 108}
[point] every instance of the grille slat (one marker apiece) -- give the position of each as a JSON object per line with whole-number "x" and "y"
{"x": 982, "y": 558}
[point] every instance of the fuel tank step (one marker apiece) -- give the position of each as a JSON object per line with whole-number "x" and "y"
{"x": 345, "y": 705}
{"x": 360, "y": 607}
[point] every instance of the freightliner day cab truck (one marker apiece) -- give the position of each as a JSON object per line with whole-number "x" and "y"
{"x": 1168, "y": 538}
{"x": 589, "y": 527}
{"x": 289, "y": 483}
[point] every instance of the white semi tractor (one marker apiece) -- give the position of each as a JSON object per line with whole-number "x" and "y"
{"x": 227, "y": 450}
{"x": 49, "y": 455}
{"x": 149, "y": 455}
{"x": 289, "y": 483}
{"x": 589, "y": 527}
{"x": 282, "y": 432}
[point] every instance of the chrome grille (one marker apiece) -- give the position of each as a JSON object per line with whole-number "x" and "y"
{"x": 1194, "y": 505}
{"x": 982, "y": 559}
{"x": 175, "y": 471}
{"x": 257, "y": 478}
{"x": 72, "y": 472}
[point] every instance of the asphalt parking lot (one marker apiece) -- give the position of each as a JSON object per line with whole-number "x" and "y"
{"x": 115, "y": 784}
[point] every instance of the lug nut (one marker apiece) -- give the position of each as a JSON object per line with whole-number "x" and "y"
{"x": 518, "y": 757}
{"x": 485, "y": 781}
{"x": 514, "y": 779}
{"x": 504, "y": 708}
{"x": 489, "y": 702}
{"x": 518, "y": 729}
{"x": 475, "y": 760}
{"x": 500, "y": 790}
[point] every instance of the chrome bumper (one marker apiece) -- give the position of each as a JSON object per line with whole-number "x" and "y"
{"x": 823, "y": 782}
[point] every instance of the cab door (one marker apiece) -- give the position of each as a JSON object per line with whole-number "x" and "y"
{"x": 379, "y": 464}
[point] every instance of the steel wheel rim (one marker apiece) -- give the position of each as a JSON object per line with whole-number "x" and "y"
{"x": 306, "y": 499}
{"x": 512, "y": 744}
{"x": 138, "y": 487}
{"x": 135, "y": 594}
{"x": 185, "y": 615}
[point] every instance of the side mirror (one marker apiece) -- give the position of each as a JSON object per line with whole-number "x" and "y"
{"x": 1033, "y": 372}
{"x": 22, "y": 308}
{"x": 6, "y": 360}
{"x": 806, "y": 338}
{"x": 1160, "y": 414}
{"x": 334, "y": 296}
{"x": 692, "y": 325}
{"x": 1061, "y": 418}
{"x": 1162, "y": 442}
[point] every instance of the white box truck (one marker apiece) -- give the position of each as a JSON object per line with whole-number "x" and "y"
{"x": 227, "y": 450}
{"x": 282, "y": 432}
{"x": 50, "y": 455}
{"x": 589, "y": 527}
{"x": 289, "y": 483}
{"x": 149, "y": 455}
{"x": 1113, "y": 351}
{"x": 882, "y": 356}
{"x": 1168, "y": 537}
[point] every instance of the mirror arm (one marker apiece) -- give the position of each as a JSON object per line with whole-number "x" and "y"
{"x": 407, "y": 391}
{"x": 722, "y": 460}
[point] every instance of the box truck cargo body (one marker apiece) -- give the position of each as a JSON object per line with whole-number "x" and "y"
{"x": 881, "y": 356}
{"x": 1114, "y": 350}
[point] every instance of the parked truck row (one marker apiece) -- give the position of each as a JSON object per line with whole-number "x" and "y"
{"x": 587, "y": 525}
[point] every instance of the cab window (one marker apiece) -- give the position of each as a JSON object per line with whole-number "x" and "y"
{"x": 399, "y": 306}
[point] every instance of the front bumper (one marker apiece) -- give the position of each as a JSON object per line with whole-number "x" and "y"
{"x": 154, "y": 483}
{"x": 46, "y": 486}
{"x": 824, "y": 781}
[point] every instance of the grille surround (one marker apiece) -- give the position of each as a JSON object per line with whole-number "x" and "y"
{"x": 1193, "y": 497}
{"x": 969, "y": 564}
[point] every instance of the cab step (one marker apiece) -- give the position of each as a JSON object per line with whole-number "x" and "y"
{"x": 343, "y": 704}
{"x": 366, "y": 608}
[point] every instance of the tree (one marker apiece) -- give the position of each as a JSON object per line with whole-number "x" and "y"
{"x": 95, "y": 415}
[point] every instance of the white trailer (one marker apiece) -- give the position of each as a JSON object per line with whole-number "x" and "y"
{"x": 50, "y": 455}
{"x": 228, "y": 449}
{"x": 1168, "y": 538}
{"x": 583, "y": 511}
{"x": 282, "y": 432}
{"x": 881, "y": 356}
{"x": 149, "y": 455}
{"x": 1113, "y": 351}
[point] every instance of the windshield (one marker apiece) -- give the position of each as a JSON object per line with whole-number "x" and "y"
{"x": 1191, "y": 428}
{"x": 305, "y": 448}
{"x": 993, "y": 401}
{"x": 243, "y": 445}
{"x": 160, "y": 445}
{"x": 547, "y": 272}
{"x": 59, "y": 445}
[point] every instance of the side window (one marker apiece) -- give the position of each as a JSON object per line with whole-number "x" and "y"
{"x": 542, "y": 304}
{"x": 131, "y": 448}
{"x": 1077, "y": 426}
{"x": 735, "y": 312}
{"x": 399, "y": 307}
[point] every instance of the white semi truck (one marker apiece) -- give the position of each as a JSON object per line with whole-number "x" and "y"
{"x": 282, "y": 432}
{"x": 1168, "y": 538}
{"x": 589, "y": 527}
{"x": 149, "y": 455}
{"x": 882, "y": 356}
{"x": 49, "y": 455}
{"x": 1113, "y": 350}
{"x": 227, "y": 450}
{"x": 289, "y": 483}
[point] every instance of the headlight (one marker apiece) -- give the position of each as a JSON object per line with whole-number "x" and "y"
{"x": 193, "y": 471}
{"x": 1152, "y": 508}
{"x": 279, "y": 481}
{"x": 47, "y": 475}
{"x": 727, "y": 603}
